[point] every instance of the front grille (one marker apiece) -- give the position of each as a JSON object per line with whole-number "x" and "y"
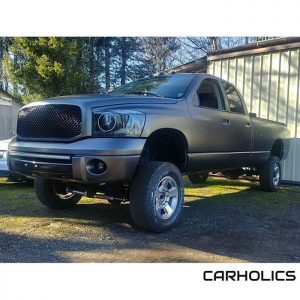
{"x": 50, "y": 121}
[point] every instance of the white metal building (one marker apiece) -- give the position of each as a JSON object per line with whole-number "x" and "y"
{"x": 9, "y": 109}
{"x": 268, "y": 77}
{"x": 267, "y": 74}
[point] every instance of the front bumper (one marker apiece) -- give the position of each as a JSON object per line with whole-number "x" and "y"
{"x": 69, "y": 161}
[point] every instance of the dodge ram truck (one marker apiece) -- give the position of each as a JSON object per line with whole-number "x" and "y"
{"x": 135, "y": 142}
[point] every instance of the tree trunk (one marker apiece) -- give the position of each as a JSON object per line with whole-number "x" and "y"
{"x": 107, "y": 64}
{"x": 123, "y": 61}
{"x": 2, "y": 50}
{"x": 92, "y": 65}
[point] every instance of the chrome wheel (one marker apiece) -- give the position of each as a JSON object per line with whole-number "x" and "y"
{"x": 276, "y": 175}
{"x": 62, "y": 191}
{"x": 166, "y": 198}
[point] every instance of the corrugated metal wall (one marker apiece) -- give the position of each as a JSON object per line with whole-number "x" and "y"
{"x": 270, "y": 85}
{"x": 8, "y": 119}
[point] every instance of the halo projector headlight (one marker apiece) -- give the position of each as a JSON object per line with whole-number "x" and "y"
{"x": 119, "y": 122}
{"x": 107, "y": 122}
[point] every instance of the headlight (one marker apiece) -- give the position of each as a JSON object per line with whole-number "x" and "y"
{"x": 118, "y": 123}
{"x": 107, "y": 122}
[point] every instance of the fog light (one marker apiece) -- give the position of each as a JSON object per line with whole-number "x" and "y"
{"x": 96, "y": 166}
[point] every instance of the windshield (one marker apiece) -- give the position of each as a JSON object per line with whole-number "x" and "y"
{"x": 169, "y": 86}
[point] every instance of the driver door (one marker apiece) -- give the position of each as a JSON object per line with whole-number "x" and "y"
{"x": 211, "y": 128}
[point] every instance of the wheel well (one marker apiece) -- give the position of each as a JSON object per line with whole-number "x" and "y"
{"x": 277, "y": 149}
{"x": 168, "y": 145}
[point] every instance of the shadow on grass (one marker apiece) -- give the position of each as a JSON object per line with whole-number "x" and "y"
{"x": 246, "y": 224}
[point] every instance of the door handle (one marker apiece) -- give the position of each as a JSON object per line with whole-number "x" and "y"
{"x": 247, "y": 125}
{"x": 225, "y": 122}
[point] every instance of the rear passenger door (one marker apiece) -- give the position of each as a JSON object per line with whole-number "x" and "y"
{"x": 240, "y": 128}
{"x": 211, "y": 128}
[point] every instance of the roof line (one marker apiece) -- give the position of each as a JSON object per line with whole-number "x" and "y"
{"x": 255, "y": 48}
{"x": 185, "y": 65}
{"x": 10, "y": 96}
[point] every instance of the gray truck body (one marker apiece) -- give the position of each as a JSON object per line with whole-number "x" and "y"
{"x": 214, "y": 139}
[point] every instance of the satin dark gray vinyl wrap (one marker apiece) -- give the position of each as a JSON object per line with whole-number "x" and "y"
{"x": 88, "y": 146}
{"x": 210, "y": 144}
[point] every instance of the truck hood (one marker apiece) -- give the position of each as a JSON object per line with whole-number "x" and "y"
{"x": 98, "y": 100}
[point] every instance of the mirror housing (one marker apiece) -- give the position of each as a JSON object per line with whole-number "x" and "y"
{"x": 253, "y": 115}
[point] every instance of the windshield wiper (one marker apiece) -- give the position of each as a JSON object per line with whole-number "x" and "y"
{"x": 143, "y": 93}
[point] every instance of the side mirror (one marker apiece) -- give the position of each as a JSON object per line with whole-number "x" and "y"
{"x": 253, "y": 115}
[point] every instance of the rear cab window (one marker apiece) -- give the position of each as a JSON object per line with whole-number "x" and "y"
{"x": 210, "y": 95}
{"x": 233, "y": 97}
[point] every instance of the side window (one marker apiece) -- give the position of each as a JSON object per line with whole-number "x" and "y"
{"x": 234, "y": 100}
{"x": 209, "y": 95}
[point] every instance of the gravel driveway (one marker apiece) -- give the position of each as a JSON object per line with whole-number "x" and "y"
{"x": 223, "y": 221}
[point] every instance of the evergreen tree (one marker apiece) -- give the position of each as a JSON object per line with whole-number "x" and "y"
{"x": 45, "y": 67}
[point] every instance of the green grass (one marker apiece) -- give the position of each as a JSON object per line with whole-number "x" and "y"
{"x": 247, "y": 190}
{"x": 21, "y": 213}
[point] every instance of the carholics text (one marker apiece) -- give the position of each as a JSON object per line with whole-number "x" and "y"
{"x": 237, "y": 275}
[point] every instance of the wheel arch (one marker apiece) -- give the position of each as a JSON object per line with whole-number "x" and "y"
{"x": 277, "y": 148}
{"x": 166, "y": 144}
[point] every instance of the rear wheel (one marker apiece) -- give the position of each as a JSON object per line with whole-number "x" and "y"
{"x": 54, "y": 194}
{"x": 270, "y": 175}
{"x": 156, "y": 196}
{"x": 198, "y": 177}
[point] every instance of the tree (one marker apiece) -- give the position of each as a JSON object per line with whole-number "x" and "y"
{"x": 4, "y": 44}
{"x": 124, "y": 53}
{"x": 127, "y": 59}
{"x": 107, "y": 55}
{"x": 158, "y": 53}
{"x": 195, "y": 47}
{"x": 33, "y": 68}
{"x": 45, "y": 67}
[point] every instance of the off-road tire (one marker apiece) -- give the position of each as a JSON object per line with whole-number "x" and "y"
{"x": 45, "y": 192}
{"x": 143, "y": 200}
{"x": 198, "y": 177}
{"x": 267, "y": 174}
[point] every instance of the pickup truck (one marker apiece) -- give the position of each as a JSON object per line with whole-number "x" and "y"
{"x": 135, "y": 142}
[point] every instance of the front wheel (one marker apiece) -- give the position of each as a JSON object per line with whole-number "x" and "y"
{"x": 156, "y": 196}
{"x": 54, "y": 194}
{"x": 270, "y": 175}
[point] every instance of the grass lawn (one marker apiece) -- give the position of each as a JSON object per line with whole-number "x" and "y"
{"x": 231, "y": 219}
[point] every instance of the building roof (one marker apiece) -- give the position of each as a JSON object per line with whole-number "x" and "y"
{"x": 256, "y": 48}
{"x": 7, "y": 99}
{"x": 200, "y": 65}
{"x": 196, "y": 65}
